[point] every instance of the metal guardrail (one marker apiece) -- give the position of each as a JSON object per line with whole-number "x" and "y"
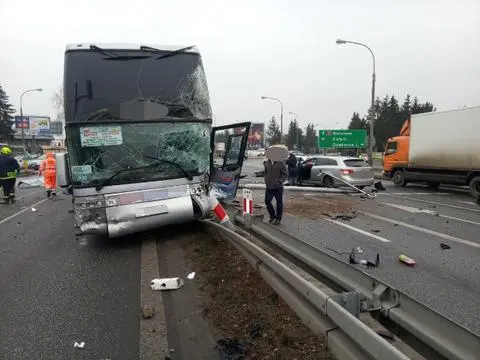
{"x": 445, "y": 336}
{"x": 346, "y": 336}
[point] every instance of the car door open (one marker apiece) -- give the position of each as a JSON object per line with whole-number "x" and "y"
{"x": 228, "y": 146}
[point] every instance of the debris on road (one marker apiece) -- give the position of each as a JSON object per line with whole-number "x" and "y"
{"x": 166, "y": 283}
{"x": 341, "y": 216}
{"x": 406, "y": 260}
{"x": 231, "y": 349}
{"x": 375, "y": 230}
{"x": 79, "y": 345}
{"x": 364, "y": 262}
{"x": 359, "y": 250}
{"x": 315, "y": 208}
{"x": 240, "y": 305}
{"x": 445, "y": 246}
{"x": 34, "y": 210}
{"x": 147, "y": 311}
{"x": 379, "y": 186}
{"x": 191, "y": 276}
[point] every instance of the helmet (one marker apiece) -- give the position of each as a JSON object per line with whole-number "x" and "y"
{"x": 5, "y": 150}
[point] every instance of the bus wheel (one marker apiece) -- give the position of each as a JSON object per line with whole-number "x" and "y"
{"x": 475, "y": 187}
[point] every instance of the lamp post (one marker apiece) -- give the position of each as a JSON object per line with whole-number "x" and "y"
{"x": 372, "y": 106}
{"x": 297, "y": 118}
{"x": 21, "y": 115}
{"x": 281, "y": 115}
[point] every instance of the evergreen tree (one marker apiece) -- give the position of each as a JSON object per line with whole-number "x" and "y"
{"x": 6, "y": 117}
{"x": 273, "y": 132}
{"x": 310, "y": 145}
{"x": 356, "y": 122}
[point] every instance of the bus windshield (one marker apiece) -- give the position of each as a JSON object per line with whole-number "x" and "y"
{"x": 95, "y": 82}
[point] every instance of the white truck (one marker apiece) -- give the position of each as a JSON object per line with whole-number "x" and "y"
{"x": 436, "y": 148}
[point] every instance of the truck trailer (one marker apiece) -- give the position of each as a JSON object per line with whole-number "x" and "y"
{"x": 436, "y": 148}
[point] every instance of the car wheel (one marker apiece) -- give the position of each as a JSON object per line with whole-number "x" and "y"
{"x": 399, "y": 178}
{"x": 327, "y": 182}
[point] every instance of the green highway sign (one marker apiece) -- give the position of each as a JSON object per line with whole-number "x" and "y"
{"x": 342, "y": 139}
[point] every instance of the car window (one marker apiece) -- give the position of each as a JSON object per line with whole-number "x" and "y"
{"x": 355, "y": 163}
{"x": 331, "y": 162}
{"x": 320, "y": 161}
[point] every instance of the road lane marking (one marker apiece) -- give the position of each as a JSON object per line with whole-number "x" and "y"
{"x": 29, "y": 207}
{"x": 413, "y": 193}
{"x": 414, "y": 210}
{"x": 468, "y": 202}
{"x": 153, "y": 332}
{"x": 435, "y": 203}
{"x": 373, "y": 236}
{"x": 426, "y": 231}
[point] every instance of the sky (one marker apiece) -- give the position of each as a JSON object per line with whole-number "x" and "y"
{"x": 276, "y": 48}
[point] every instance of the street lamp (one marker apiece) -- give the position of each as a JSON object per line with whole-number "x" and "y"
{"x": 372, "y": 117}
{"x": 297, "y": 118}
{"x": 281, "y": 115}
{"x": 21, "y": 115}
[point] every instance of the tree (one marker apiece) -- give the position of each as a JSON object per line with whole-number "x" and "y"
{"x": 58, "y": 104}
{"x": 273, "y": 132}
{"x": 356, "y": 122}
{"x": 6, "y": 117}
{"x": 310, "y": 145}
{"x": 292, "y": 140}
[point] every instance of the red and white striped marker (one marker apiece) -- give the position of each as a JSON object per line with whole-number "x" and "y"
{"x": 220, "y": 213}
{"x": 247, "y": 202}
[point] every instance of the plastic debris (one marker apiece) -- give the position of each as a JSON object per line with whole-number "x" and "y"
{"x": 406, "y": 260}
{"x": 191, "y": 276}
{"x": 231, "y": 349}
{"x": 375, "y": 230}
{"x": 341, "y": 216}
{"x": 166, "y": 283}
{"x": 364, "y": 262}
{"x": 79, "y": 345}
{"x": 359, "y": 250}
{"x": 34, "y": 210}
{"x": 445, "y": 246}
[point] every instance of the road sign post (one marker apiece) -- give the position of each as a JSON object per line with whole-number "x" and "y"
{"x": 342, "y": 139}
{"x": 247, "y": 207}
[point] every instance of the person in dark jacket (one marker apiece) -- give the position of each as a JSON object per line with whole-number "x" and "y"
{"x": 9, "y": 168}
{"x": 292, "y": 169}
{"x": 275, "y": 176}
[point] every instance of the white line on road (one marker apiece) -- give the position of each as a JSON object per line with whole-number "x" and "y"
{"x": 373, "y": 236}
{"x": 426, "y": 231}
{"x": 21, "y": 211}
{"x": 414, "y": 210}
{"x": 435, "y": 203}
{"x": 468, "y": 202}
{"x": 413, "y": 193}
{"x": 153, "y": 332}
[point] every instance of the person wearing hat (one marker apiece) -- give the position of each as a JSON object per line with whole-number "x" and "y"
{"x": 9, "y": 168}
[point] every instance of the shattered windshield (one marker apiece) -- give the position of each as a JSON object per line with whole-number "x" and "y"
{"x": 139, "y": 151}
{"x": 137, "y": 86}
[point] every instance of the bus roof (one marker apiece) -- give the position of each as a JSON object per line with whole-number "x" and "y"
{"x": 126, "y": 46}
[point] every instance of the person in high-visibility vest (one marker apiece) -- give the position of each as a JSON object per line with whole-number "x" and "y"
{"x": 48, "y": 168}
{"x": 9, "y": 168}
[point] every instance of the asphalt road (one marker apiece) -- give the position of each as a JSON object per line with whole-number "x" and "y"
{"x": 56, "y": 290}
{"x": 413, "y": 221}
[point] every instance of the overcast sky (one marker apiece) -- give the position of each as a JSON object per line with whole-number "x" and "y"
{"x": 278, "y": 48}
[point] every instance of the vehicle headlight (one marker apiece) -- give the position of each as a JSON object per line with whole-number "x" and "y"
{"x": 196, "y": 190}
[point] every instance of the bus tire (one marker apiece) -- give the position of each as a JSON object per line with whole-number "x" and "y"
{"x": 474, "y": 186}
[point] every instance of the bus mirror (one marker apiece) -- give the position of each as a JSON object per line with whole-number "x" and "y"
{"x": 63, "y": 175}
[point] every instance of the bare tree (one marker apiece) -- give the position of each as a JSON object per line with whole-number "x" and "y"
{"x": 57, "y": 100}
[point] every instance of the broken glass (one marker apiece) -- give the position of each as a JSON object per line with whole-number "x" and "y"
{"x": 98, "y": 151}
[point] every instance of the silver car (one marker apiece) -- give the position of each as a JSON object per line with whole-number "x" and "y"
{"x": 323, "y": 171}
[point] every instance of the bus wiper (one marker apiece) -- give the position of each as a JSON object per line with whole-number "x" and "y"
{"x": 178, "y": 166}
{"x": 127, "y": 57}
{"x": 108, "y": 180}
{"x": 175, "y": 52}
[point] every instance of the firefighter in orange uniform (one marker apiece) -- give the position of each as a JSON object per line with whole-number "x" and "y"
{"x": 49, "y": 170}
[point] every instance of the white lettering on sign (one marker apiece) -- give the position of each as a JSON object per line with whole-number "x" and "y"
{"x": 101, "y": 136}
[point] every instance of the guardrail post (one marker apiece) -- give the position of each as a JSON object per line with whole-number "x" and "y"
{"x": 247, "y": 207}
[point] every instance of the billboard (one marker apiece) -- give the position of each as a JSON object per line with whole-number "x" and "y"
{"x": 33, "y": 125}
{"x": 256, "y": 136}
{"x": 56, "y": 127}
